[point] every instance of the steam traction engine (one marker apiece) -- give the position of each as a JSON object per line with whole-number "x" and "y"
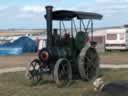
{"x": 67, "y": 53}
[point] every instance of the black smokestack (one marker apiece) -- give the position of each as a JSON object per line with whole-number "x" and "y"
{"x": 49, "y": 25}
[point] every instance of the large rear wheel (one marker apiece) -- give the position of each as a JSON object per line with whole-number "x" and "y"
{"x": 88, "y": 63}
{"x": 62, "y": 72}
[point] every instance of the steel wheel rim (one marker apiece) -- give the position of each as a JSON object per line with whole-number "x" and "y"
{"x": 91, "y": 65}
{"x": 62, "y": 73}
{"x": 86, "y": 67}
{"x": 34, "y": 71}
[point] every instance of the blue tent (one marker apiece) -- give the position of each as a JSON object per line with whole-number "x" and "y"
{"x": 19, "y": 46}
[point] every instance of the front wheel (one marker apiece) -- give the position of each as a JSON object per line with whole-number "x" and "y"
{"x": 62, "y": 72}
{"x": 33, "y": 71}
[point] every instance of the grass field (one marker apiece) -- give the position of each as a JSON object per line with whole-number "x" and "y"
{"x": 114, "y": 57}
{"x": 25, "y": 59}
{"x": 14, "y": 84}
{"x": 109, "y": 53}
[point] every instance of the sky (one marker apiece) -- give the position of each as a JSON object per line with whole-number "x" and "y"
{"x": 29, "y": 14}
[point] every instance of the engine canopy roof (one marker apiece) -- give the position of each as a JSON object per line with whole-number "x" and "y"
{"x": 69, "y": 15}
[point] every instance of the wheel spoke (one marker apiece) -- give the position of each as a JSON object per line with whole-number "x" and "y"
{"x": 34, "y": 74}
{"x": 62, "y": 72}
{"x": 89, "y": 65}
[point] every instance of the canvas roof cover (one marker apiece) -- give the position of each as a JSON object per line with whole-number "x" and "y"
{"x": 68, "y": 15}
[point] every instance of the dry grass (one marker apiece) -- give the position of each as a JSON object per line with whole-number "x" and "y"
{"x": 25, "y": 59}
{"x": 14, "y": 84}
{"x": 114, "y": 57}
{"x": 17, "y": 60}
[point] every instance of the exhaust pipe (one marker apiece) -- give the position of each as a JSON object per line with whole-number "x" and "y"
{"x": 49, "y": 25}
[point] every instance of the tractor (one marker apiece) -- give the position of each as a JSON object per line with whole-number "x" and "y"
{"x": 70, "y": 52}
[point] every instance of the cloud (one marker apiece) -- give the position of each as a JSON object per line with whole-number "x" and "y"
{"x": 106, "y": 7}
{"x": 2, "y": 8}
{"x": 37, "y": 9}
{"x": 21, "y": 12}
{"x": 114, "y": 11}
{"x": 18, "y": 16}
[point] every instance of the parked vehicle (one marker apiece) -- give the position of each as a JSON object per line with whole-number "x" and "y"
{"x": 116, "y": 39}
{"x": 67, "y": 56}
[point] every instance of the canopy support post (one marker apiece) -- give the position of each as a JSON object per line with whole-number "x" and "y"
{"x": 80, "y": 25}
{"x": 60, "y": 27}
{"x": 84, "y": 25}
{"x": 74, "y": 25}
{"x": 92, "y": 30}
{"x": 88, "y": 25}
{"x": 72, "y": 28}
{"x": 64, "y": 27}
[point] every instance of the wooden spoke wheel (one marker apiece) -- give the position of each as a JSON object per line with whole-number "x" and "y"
{"x": 33, "y": 71}
{"x": 88, "y": 63}
{"x": 62, "y": 72}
